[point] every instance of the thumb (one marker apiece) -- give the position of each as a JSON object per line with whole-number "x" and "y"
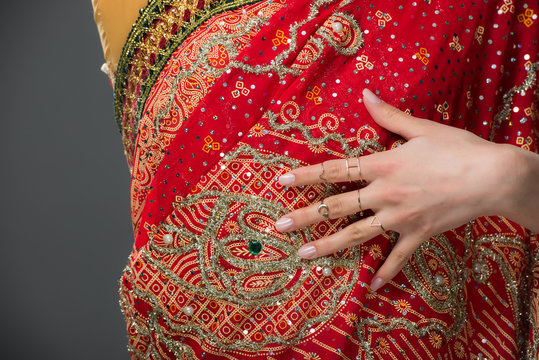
{"x": 392, "y": 118}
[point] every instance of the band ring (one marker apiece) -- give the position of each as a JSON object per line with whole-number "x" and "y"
{"x": 359, "y": 171}
{"x": 359, "y": 202}
{"x": 353, "y": 167}
{"x": 376, "y": 222}
{"x": 323, "y": 210}
{"x": 321, "y": 176}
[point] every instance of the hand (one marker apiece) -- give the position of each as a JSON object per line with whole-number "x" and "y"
{"x": 441, "y": 178}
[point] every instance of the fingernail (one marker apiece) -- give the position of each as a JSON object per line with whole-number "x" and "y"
{"x": 284, "y": 224}
{"x": 370, "y": 97}
{"x": 377, "y": 284}
{"x": 287, "y": 179}
{"x": 307, "y": 251}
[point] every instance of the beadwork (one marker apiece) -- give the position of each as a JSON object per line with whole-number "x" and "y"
{"x": 217, "y": 100}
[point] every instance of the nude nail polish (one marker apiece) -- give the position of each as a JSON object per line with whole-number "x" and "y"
{"x": 371, "y": 97}
{"x": 284, "y": 224}
{"x": 377, "y": 283}
{"x": 287, "y": 179}
{"x": 307, "y": 251}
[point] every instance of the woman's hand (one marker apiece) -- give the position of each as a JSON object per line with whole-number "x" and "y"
{"x": 441, "y": 178}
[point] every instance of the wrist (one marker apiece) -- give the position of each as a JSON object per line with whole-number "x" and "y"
{"x": 518, "y": 198}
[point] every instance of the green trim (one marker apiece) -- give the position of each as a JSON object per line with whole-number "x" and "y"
{"x": 143, "y": 24}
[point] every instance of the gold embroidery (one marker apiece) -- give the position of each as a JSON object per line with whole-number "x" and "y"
{"x": 533, "y": 316}
{"x": 443, "y": 109}
{"x": 449, "y": 296}
{"x": 382, "y": 18}
{"x": 143, "y": 58}
{"x": 455, "y": 45}
{"x": 469, "y": 100}
{"x": 527, "y": 17}
{"x": 478, "y": 35}
{"x": 505, "y": 113}
{"x": 316, "y": 142}
{"x": 280, "y": 38}
{"x": 240, "y": 90}
{"x": 532, "y": 112}
{"x": 209, "y": 144}
{"x": 308, "y": 54}
{"x": 364, "y": 63}
{"x": 157, "y": 128}
{"x": 313, "y": 95}
{"x": 346, "y": 42}
{"x": 272, "y": 279}
{"x": 285, "y": 125}
{"x": 507, "y": 6}
{"x": 422, "y": 56}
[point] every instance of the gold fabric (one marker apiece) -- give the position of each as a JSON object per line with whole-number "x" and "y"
{"x": 114, "y": 19}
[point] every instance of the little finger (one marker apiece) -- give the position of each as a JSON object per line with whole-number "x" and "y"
{"x": 354, "y": 234}
{"x": 396, "y": 260}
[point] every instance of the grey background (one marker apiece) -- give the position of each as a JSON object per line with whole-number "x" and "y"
{"x": 64, "y": 187}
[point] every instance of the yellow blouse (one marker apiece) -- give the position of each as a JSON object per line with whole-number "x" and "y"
{"x": 114, "y": 19}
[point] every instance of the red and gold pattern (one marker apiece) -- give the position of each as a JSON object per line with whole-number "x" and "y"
{"x": 186, "y": 76}
{"x": 256, "y": 90}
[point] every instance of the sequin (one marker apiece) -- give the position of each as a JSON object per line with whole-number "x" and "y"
{"x": 204, "y": 189}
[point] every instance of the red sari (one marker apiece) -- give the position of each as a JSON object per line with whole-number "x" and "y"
{"x": 217, "y": 99}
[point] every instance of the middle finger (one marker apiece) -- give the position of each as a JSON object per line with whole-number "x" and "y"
{"x": 335, "y": 206}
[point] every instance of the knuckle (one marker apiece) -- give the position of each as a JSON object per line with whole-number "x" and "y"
{"x": 335, "y": 205}
{"x": 416, "y": 221}
{"x": 401, "y": 256}
{"x": 412, "y": 215}
{"x": 357, "y": 232}
{"x": 392, "y": 113}
{"x": 333, "y": 170}
{"x": 423, "y": 229}
{"x": 376, "y": 167}
{"x": 302, "y": 215}
{"x": 324, "y": 247}
{"x": 387, "y": 165}
{"x": 400, "y": 218}
{"x": 389, "y": 195}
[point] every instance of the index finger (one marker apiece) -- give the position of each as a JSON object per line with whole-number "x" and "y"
{"x": 332, "y": 171}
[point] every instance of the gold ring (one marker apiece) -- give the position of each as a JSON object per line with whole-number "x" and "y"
{"x": 358, "y": 169}
{"x": 348, "y": 170}
{"x": 376, "y": 222}
{"x": 359, "y": 202}
{"x": 324, "y": 207}
{"x": 321, "y": 176}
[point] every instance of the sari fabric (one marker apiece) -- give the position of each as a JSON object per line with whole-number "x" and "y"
{"x": 217, "y": 99}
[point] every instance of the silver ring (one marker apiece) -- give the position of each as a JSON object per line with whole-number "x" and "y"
{"x": 323, "y": 210}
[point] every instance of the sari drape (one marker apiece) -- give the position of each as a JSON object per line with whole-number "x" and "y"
{"x": 217, "y": 99}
